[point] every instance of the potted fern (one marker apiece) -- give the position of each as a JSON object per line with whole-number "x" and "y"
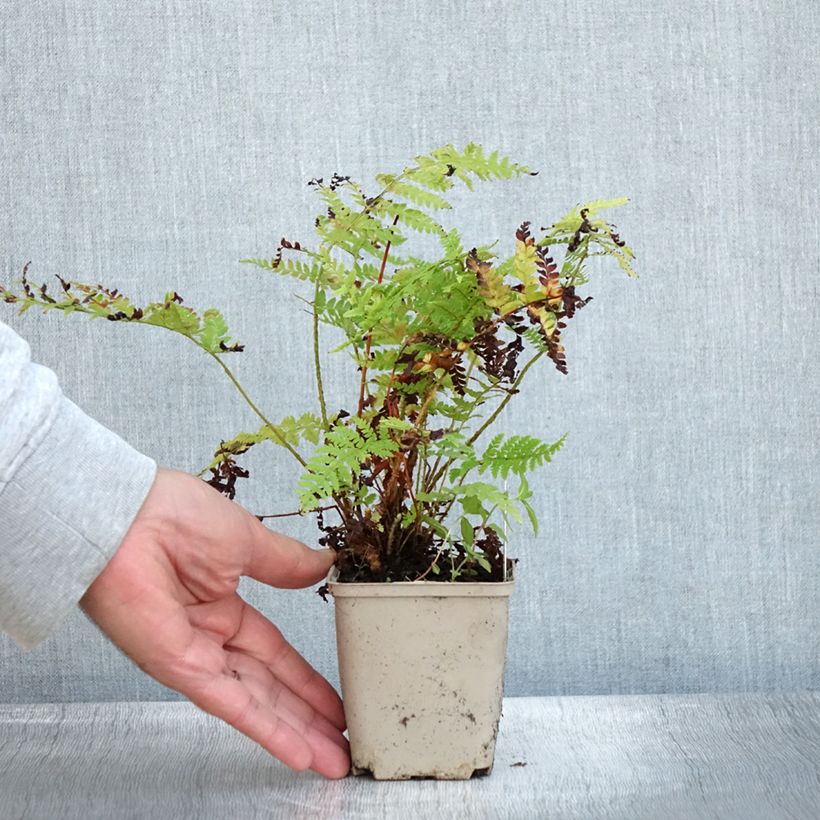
{"x": 407, "y": 485}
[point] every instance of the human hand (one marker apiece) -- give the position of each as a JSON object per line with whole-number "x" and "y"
{"x": 168, "y": 599}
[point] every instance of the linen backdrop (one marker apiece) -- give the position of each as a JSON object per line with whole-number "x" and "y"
{"x": 152, "y": 145}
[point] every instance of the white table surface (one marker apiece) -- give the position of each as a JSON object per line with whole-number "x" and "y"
{"x": 630, "y": 757}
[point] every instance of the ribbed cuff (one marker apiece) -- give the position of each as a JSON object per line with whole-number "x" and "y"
{"x": 62, "y": 516}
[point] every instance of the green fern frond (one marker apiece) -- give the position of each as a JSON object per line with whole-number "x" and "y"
{"x": 536, "y": 339}
{"x": 208, "y": 330}
{"x": 451, "y": 245}
{"x": 335, "y": 465}
{"x": 517, "y": 454}
{"x": 473, "y": 162}
{"x": 412, "y": 193}
{"x": 290, "y": 430}
{"x": 491, "y": 286}
{"x": 295, "y": 268}
{"x": 412, "y": 217}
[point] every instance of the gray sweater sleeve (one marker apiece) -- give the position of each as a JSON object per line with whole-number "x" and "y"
{"x": 69, "y": 490}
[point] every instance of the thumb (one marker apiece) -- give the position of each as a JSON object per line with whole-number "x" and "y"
{"x": 282, "y": 561}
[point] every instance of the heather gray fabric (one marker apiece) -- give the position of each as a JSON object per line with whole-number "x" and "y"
{"x": 69, "y": 489}
{"x": 151, "y": 145}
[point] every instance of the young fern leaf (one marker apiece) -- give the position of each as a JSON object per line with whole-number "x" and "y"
{"x": 472, "y": 162}
{"x": 536, "y": 339}
{"x": 412, "y": 193}
{"x": 412, "y": 217}
{"x": 517, "y": 454}
{"x": 453, "y": 447}
{"x": 452, "y": 246}
{"x": 336, "y": 464}
{"x": 295, "y": 268}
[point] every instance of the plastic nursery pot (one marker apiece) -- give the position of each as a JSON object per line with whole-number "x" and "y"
{"x": 422, "y": 668}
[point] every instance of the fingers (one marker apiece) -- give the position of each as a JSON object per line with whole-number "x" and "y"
{"x": 242, "y": 628}
{"x": 244, "y": 692}
{"x": 282, "y": 561}
{"x": 299, "y": 746}
{"x": 258, "y": 637}
{"x": 314, "y": 727}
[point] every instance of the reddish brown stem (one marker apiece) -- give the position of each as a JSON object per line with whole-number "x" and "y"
{"x": 297, "y": 512}
{"x": 370, "y": 335}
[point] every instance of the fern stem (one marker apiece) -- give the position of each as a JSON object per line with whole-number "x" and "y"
{"x": 391, "y": 533}
{"x": 442, "y": 516}
{"x": 428, "y": 570}
{"x": 274, "y": 429}
{"x": 317, "y": 365}
{"x": 507, "y": 398}
{"x": 370, "y": 335}
{"x": 432, "y": 473}
{"x": 297, "y": 512}
{"x": 425, "y": 407}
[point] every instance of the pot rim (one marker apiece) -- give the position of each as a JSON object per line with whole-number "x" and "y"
{"x": 418, "y": 589}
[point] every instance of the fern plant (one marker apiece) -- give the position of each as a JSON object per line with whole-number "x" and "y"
{"x": 441, "y": 343}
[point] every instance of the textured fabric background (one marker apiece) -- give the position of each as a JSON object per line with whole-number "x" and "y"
{"x": 151, "y": 145}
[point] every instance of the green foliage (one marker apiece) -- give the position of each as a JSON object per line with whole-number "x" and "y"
{"x": 290, "y": 430}
{"x": 412, "y": 217}
{"x": 492, "y": 288}
{"x": 440, "y": 344}
{"x": 481, "y": 495}
{"x": 338, "y": 461}
{"x": 209, "y": 330}
{"x": 517, "y": 454}
{"x": 412, "y": 193}
{"x": 578, "y": 229}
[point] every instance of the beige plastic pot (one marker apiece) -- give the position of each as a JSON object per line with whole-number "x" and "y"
{"x": 422, "y": 667}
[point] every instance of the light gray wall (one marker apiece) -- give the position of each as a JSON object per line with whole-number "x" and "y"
{"x": 151, "y": 145}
